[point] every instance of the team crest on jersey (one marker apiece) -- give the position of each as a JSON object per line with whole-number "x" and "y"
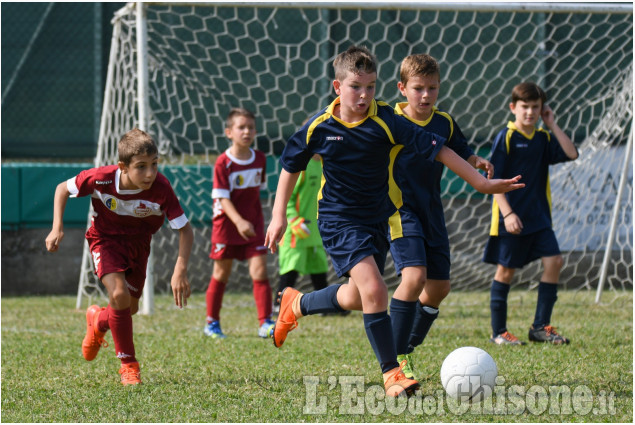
{"x": 111, "y": 203}
{"x": 142, "y": 210}
{"x": 240, "y": 180}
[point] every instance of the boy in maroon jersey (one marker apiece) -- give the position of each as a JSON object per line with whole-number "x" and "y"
{"x": 238, "y": 223}
{"x": 131, "y": 201}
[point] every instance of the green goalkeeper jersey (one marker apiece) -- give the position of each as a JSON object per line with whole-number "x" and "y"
{"x": 303, "y": 203}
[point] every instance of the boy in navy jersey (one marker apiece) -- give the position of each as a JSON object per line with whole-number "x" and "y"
{"x": 419, "y": 240}
{"x": 521, "y": 228}
{"x": 238, "y": 230}
{"x": 354, "y": 136}
{"x": 131, "y": 201}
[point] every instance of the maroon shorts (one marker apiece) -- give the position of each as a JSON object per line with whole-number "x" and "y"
{"x": 121, "y": 255}
{"x": 221, "y": 251}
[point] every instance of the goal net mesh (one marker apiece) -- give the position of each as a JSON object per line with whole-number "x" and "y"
{"x": 277, "y": 61}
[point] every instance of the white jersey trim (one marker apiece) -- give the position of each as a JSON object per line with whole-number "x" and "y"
{"x": 241, "y": 161}
{"x": 220, "y": 193}
{"x": 124, "y": 191}
{"x": 72, "y": 187}
{"x": 179, "y": 222}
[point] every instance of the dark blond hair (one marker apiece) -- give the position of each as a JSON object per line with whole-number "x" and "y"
{"x": 528, "y": 91}
{"x": 419, "y": 64}
{"x": 135, "y": 142}
{"x": 355, "y": 59}
{"x": 238, "y": 112}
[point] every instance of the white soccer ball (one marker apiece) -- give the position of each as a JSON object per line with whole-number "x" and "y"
{"x": 469, "y": 374}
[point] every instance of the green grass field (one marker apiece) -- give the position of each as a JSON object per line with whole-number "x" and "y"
{"x": 191, "y": 378}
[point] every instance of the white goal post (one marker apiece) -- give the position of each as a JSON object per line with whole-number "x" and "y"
{"x": 175, "y": 70}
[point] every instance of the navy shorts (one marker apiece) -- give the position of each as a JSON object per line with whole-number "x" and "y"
{"x": 515, "y": 252}
{"x": 412, "y": 251}
{"x": 347, "y": 243}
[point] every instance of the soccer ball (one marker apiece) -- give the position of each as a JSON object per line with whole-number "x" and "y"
{"x": 469, "y": 374}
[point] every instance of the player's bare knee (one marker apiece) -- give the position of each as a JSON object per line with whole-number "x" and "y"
{"x": 504, "y": 274}
{"x": 258, "y": 273}
{"x": 120, "y": 299}
{"x": 443, "y": 290}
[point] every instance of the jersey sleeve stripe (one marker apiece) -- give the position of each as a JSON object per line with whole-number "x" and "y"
{"x": 72, "y": 187}
{"x": 220, "y": 193}
{"x": 384, "y": 126}
{"x": 508, "y": 138}
{"x": 179, "y": 222}
{"x": 314, "y": 124}
{"x": 450, "y": 120}
{"x": 493, "y": 231}
{"x": 394, "y": 192}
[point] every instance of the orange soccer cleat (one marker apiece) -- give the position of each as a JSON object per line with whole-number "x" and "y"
{"x": 396, "y": 383}
{"x": 506, "y": 338}
{"x": 287, "y": 320}
{"x": 94, "y": 339}
{"x": 130, "y": 373}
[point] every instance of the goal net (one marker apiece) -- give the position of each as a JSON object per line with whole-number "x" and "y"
{"x": 175, "y": 70}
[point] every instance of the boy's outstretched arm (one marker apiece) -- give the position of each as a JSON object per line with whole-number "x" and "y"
{"x": 180, "y": 283}
{"x": 565, "y": 142}
{"x": 278, "y": 224}
{"x": 464, "y": 170}
{"x": 482, "y": 164}
{"x": 59, "y": 205}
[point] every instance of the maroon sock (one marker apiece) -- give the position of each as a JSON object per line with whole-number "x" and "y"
{"x": 262, "y": 296}
{"x": 102, "y": 321}
{"x": 214, "y": 299}
{"x": 120, "y": 322}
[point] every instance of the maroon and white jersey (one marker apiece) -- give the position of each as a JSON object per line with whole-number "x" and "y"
{"x": 240, "y": 181}
{"x": 131, "y": 213}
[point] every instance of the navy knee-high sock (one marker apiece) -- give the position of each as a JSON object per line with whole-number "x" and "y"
{"x": 379, "y": 332}
{"x": 498, "y": 306}
{"x": 322, "y": 301}
{"x": 425, "y": 316}
{"x": 547, "y": 296}
{"x": 402, "y": 315}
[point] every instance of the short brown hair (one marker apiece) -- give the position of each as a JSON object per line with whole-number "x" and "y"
{"x": 419, "y": 64}
{"x": 355, "y": 59}
{"x": 528, "y": 91}
{"x": 238, "y": 112}
{"x": 135, "y": 142}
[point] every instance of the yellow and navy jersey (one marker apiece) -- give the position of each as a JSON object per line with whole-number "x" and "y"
{"x": 420, "y": 183}
{"x": 356, "y": 160}
{"x": 529, "y": 155}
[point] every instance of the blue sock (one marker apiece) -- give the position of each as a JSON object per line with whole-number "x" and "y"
{"x": 424, "y": 318}
{"x": 547, "y": 296}
{"x": 402, "y": 315}
{"x": 322, "y": 301}
{"x": 498, "y": 306}
{"x": 379, "y": 332}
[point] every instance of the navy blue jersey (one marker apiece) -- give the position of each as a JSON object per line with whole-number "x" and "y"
{"x": 529, "y": 155}
{"x": 356, "y": 160}
{"x": 420, "y": 184}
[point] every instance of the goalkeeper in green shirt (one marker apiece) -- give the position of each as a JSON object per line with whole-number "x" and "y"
{"x": 301, "y": 250}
